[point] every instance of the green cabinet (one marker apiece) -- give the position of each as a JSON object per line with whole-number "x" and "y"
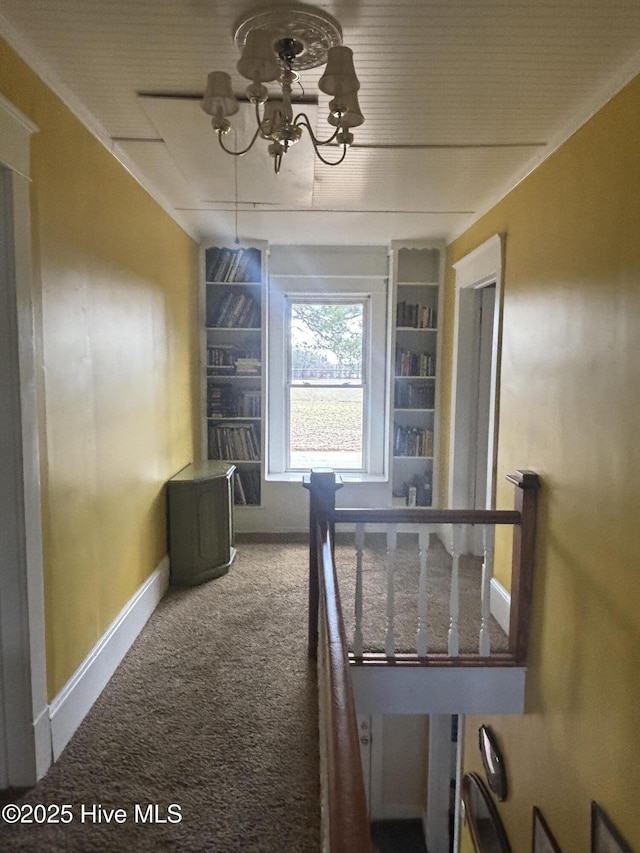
{"x": 201, "y": 538}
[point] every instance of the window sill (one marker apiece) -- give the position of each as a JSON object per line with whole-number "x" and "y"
{"x": 349, "y": 478}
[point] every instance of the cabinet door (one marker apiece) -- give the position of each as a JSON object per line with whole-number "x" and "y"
{"x": 200, "y": 528}
{"x": 212, "y": 509}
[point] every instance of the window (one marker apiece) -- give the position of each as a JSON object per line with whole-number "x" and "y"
{"x": 327, "y": 374}
{"x": 326, "y": 387}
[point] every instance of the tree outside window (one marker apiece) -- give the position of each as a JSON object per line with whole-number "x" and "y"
{"x": 327, "y": 386}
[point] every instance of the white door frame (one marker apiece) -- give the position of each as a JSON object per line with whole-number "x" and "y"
{"x": 442, "y": 767}
{"x": 25, "y": 738}
{"x": 478, "y": 269}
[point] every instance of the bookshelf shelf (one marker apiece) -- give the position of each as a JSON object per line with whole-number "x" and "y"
{"x": 257, "y": 330}
{"x": 234, "y": 319}
{"x": 409, "y": 458}
{"x": 417, "y": 274}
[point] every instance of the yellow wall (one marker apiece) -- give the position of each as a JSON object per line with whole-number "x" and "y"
{"x": 117, "y": 281}
{"x": 570, "y": 410}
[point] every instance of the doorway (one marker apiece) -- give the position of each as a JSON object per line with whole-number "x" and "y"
{"x": 481, "y": 481}
{"x": 474, "y": 416}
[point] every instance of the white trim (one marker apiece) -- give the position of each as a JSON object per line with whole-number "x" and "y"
{"x": 479, "y": 268}
{"x": 372, "y": 290}
{"x": 74, "y": 701}
{"x": 500, "y": 605}
{"x": 458, "y": 814}
{"x": 16, "y": 129}
{"x": 621, "y": 78}
{"x": 25, "y": 743}
{"x": 25, "y": 49}
{"x": 438, "y": 689}
{"x": 42, "y": 742}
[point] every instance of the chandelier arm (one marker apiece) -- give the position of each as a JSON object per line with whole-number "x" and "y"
{"x": 301, "y": 119}
{"x": 238, "y": 153}
{"x": 328, "y": 162}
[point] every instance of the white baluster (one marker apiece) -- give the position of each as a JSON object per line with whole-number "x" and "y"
{"x": 357, "y": 634}
{"x": 421, "y": 636}
{"x": 489, "y": 533}
{"x": 454, "y": 602}
{"x": 392, "y": 542}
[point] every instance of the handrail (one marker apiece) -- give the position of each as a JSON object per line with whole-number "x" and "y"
{"x": 348, "y": 824}
{"x": 422, "y": 515}
{"x": 345, "y": 806}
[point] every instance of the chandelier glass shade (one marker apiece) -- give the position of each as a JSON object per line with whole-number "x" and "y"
{"x": 275, "y": 44}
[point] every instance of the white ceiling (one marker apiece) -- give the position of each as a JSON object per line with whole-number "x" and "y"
{"x": 461, "y": 99}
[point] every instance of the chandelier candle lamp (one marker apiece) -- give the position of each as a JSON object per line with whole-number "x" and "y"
{"x": 277, "y": 44}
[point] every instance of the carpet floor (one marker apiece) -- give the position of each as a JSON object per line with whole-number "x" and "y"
{"x": 214, "y": 709}
{"x": 212, "y": 717}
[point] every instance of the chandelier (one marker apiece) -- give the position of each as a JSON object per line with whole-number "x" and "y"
{"x": 276, "y": 45}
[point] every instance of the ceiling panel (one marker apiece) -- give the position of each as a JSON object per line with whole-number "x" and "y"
{"x": 494, "y": 84}
{"x": 442, "y": 179}
{"x": 211, "y": 173}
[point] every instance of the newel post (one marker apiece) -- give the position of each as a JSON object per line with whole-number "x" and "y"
{"x": 527, "y": 484}
{"x": 322, "y": 485}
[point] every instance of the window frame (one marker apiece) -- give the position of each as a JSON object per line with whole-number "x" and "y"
{"x": 325, "y": 299}
{"x": 371, "y": 290}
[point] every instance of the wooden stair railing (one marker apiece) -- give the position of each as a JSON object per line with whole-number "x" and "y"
{"x": 345, "y": 814}
{"x": 323, "y": 485}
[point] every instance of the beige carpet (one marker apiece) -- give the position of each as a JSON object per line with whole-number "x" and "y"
{"x": 214, "y": 709}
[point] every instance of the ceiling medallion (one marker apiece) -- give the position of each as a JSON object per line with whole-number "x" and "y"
{"x": 314, "y": 30}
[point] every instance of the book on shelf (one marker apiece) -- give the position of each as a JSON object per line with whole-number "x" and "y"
{"x": 414, "y": 395}
{"x": 246, "y": 487}
{"x": 239, "y": 266}
{"x": 222, "y": 359}
{"x": 248, "y": 366}
{"x": 234, "y": 310}
{"x": 416, "y": 492}
{"x": 225, "y": 402}
{"x": 416, "y": 316}
{"x": 409, "y": 363}
{"x": 231, "y": 360}
{"x": 412, "y": 441}
{"x": 233, "y": 441}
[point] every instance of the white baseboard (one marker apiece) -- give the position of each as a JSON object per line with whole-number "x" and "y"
{"x": 500, "y": 601}
{"x": 74, "y": 701}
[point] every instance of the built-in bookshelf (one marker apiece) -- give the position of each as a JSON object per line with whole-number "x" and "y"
{"x": 234, "y": 364}
{"x": 417, "y": 276}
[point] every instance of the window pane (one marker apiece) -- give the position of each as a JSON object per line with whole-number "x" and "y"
{"x": 326, "y": 342}
{"x": 326, "y": 358}
{"x": 325, "y": 427}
